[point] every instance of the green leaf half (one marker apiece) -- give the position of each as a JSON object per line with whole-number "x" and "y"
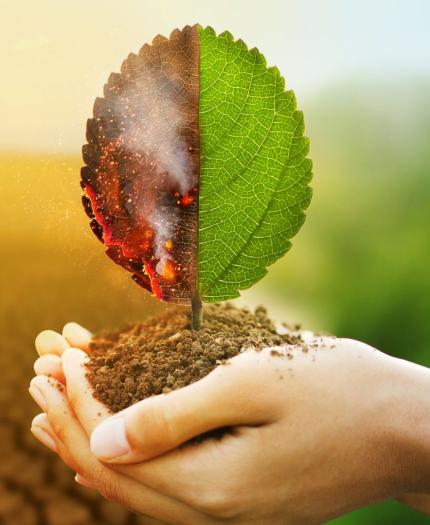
{"x": 254, "y": 173}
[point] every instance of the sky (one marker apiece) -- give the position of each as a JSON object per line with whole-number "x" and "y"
{"x": 56, "y": 55}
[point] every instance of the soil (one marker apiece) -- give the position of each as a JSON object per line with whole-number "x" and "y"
{"x": 163, "y": 353}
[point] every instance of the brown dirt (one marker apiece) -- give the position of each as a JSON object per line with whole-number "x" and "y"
{"x": 162, "y": 354}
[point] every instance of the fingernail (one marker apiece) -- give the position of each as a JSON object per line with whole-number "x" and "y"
{"x": 38, "y": 396}
{"x": 109, "y": 439}
{"x": 44, "y": 438}
{"x": 75, "y": 352}
{"x": 44, "y": 365}
{"x": 50, "y": 342}
{"x": 76, "y": 334}
{"x": 82, "y": 481}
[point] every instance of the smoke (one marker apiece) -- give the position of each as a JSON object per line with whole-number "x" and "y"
{"x": 150, "y": 118}
{"x": 164, "y": 222}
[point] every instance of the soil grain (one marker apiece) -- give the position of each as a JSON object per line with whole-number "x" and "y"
{"x": 163, "y": 353}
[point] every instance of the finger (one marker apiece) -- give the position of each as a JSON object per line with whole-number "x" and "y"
{"x": 88, "y": 410}
{"x": 82, "y": 481}
{"x": 49, "y": 365}
{"x": 50, "y": 342}
{"x": 158, "y": 474}
{"x": 41, "y": 430}
{"x": 210, "y": 472}
{"x": 191, "y": 466}
{"x": 73, "y": 447}
{"x": 77, "y": 336}
{"x": 225, "y": 397}
{"x": 69, "y": 436}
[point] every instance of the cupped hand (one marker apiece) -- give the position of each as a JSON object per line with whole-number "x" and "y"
{"x": 59, "y": 429}
{"x": 312, "y": 435}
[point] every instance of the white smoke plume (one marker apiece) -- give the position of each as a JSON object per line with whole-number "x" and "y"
{"x": 150, "y": 118}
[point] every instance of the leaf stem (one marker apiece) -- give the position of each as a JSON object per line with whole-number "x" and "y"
{"x": 196, "y": 313}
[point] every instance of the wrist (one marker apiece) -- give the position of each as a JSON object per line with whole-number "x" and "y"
{"x": 408, "y": 421}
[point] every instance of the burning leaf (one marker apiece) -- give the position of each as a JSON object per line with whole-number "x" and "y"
{"x": 142, "y": 156}
{"x": 195, "y": 176}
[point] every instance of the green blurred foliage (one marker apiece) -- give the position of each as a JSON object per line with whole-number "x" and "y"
{"x": 361, "y": 266}
{"x": 390, "y": 513}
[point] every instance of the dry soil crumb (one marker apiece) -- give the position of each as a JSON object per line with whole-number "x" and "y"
{"x": 162, "y": 353}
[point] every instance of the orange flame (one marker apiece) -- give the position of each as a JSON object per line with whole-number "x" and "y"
{"x": 169, "y": 272}
{"x": 187, "y": 199}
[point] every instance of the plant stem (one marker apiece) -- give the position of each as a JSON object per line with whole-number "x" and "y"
{"x": 196, "y": 313}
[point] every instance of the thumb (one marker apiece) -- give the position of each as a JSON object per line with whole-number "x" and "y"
{"x": 228, "y": 396}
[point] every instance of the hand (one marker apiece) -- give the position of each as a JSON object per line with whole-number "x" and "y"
{"x": 343, "y": 404}
{"x": 59, "y": 429}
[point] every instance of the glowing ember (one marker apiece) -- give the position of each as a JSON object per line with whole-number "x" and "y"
{"x": 187, "y": 199}
{"x": 168, "y": 270}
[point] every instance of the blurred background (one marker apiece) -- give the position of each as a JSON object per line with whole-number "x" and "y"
{"x": 359, "y": 268}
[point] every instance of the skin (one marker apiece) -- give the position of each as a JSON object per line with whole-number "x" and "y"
{"x": 312, "y": 437}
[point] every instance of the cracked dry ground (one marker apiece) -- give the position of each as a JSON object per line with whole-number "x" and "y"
{"x": 36, "y": 488}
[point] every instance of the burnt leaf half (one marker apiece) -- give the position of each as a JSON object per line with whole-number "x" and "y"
{"x": 142, "y": 165}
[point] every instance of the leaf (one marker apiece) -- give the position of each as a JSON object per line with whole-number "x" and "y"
{"x": 196, "y": 175}
{"x": 142, "y": 166}
{"x": 254, "y": 173}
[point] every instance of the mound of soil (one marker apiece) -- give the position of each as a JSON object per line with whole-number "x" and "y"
{"x": 163, "y": 353}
